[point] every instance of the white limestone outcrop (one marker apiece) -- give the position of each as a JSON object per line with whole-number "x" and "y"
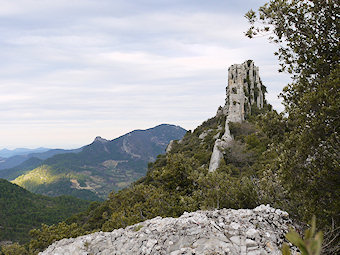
{"x": 244, "y": 89}
{"x": 226, "y": 231}
{"x": 169, "y": 147}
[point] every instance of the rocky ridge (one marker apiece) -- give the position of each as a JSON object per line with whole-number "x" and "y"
{"x": 226, "y": 231}
{"x": 244, "y": 90}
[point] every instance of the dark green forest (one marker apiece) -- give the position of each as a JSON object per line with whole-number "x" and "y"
{"x": 289, "y": 160}
{"x": 21, "y": 210}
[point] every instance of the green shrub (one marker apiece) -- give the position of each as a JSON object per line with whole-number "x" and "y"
{"x": 13, "y": 249}
{"x": 309, "y": 245}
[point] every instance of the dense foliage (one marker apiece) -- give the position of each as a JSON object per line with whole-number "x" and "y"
{"x": 307, "y": 32}
{"x": 20, "y": 211}
{"x": 305, "y": 166}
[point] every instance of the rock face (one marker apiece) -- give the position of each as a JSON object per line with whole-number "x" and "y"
{"x": 169, "y": 147}
{"x": 227, "y": 231}
{"x": 244, "y": 90}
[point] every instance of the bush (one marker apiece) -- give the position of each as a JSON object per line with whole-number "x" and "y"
{"x": 13, "y": 249}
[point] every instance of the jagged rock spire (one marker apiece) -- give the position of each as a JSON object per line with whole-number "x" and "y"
{"x": 244, "y": 90}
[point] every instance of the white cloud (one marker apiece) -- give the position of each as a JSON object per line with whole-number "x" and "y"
{"x": 22, "y": 7}
{"x": 108, "y": 67}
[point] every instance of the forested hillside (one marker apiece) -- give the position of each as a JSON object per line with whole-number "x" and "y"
{"x": 289, "y": 160}
{"x": 14, "y": 172}
{"x": 100, "y": 167}
{"x": 178, "y": 181}
{"x": 21, "y": 210}
{"x": 10, "y": 167}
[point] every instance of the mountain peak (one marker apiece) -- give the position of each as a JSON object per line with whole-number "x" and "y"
{"x": 100, "y": 139}
{"x": 244, "y": 92}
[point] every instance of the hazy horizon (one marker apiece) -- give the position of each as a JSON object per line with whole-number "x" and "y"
{"x": 74, "y": 70}
{"x": 80, "y": 145}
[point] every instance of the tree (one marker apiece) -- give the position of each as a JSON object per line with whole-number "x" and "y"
{"x": 307, "y": 31}
{"x": 307, "y": 162}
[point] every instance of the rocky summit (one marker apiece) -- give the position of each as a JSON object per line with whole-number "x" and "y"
{"x": 244, "y": 91}
{"x": 245, "y": 231}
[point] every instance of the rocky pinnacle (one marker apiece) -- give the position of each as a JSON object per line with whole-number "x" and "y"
{"x": 244, "y": 90}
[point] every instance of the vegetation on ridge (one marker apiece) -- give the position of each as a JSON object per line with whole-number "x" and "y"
{"x": 303, "y": 175}
{"x": 290, "y": 160}
{"x": 176, "y": 182}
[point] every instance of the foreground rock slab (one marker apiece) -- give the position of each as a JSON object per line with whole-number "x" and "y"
{"x": 226, "y": 231}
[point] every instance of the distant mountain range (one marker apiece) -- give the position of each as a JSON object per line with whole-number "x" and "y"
{"x": 98, "y": 168}
{"x": 5, "y": 153}
{"x": 17, "y": 159}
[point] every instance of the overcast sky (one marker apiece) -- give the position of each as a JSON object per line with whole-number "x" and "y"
{"x": 72, "y": 70}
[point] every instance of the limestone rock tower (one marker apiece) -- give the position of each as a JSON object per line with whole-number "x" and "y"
{"x": 244, "y": 90}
